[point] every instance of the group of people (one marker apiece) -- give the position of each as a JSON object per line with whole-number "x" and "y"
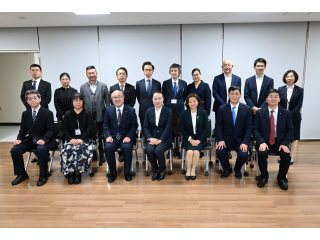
{"x": 172, "y": 115}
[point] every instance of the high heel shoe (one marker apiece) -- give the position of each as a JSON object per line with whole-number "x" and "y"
{"x": 193, "y": 177}
{"x": 187, "y": 177}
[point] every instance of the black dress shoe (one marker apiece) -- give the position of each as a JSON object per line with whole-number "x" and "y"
{"x": 120, "y": 159}
{"x": 70, "y": 178}
{"x": 162, "y": 176}
{"x": 154, "y": 176}
{"x": 224, "y": 174}
{"x": 112, "y": 178}
{"x": 262, "y": 182}
{"x": 193, "y": 177}
{"x": 187, "y": 177}
{"x": 201, "y": 154}
{"x": 237, "y": 174}
{"x": 41, "y": 181}
{"x": 283, "y": 185}
{"x": 77, "y": 178}
{"x": 128, "y": 177}
{"x": 19, "y": 179}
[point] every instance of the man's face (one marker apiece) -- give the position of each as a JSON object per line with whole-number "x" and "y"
{"x": 260, "y": 67}
{"x": 35, "y": 72}
{"x": 121, "y": 76}
{"x": 148, "y": 71}
{"x": 227, "y": 67}
{"x": 174, "y": 72}
{"x": 117, "y": 98}
{"x": 92, "y": 75}
{"x": 33, "y": 100}
{"x": 234, "y": 97}
{"x": 273, "y": 100}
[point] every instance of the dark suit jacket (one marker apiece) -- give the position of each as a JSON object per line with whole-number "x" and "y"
{"x": 186, "y": 127}
{"x": 250, "y": 91}
{"x": 238, "y": 134}
{"x": 129, "y": 94}
{"x": 41, "y": 128}
{"x": 262, "y": 126}
{"x": 44, "y": 89}
{"x": 180, "y": 96}
{"x": 204, "y": 92}
{"x": 63, "y": 100}
{"x": 144, "y": 100}
{"x": 219, "y": 89}
{"x": 296, "y": 101}
{"x": 128, "y": 124}
{"x": 164, "y": 129}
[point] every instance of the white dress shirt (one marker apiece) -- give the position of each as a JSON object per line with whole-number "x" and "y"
{"x": 259, "y": 81}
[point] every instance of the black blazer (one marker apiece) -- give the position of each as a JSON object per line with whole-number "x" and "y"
{"x": 296, "y": 101}
{"x": 186, "y": 127}
{"x": 44, "y": 89}
{"x": 63, "y": 100}
{"x": 164, "y": 129}
{"x": 250, "y": 91}
{"x": 262, "y": 126}
{"x": 70, "y": 124}
{"x": 128, "y": 124}
{"x": 41, "y": 128}
{"x": 129, "y": 94}
{"x": 180, "y": 96}
{"x": 144, "y": 100}
{"x": 238, "y": 134}
{"x": 204, "y": 93}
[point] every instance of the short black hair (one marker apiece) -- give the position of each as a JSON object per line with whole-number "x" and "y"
{"x": 273, "y": 90}
{"x": 76, "y": 96}
{"x": 122, "y": 68}
{"x": 147, "y": 63}
{"x": 190, "y": 95}
{"x": 234, "y": 88}
{"x": 90, "y": 67}
{"x": 295, "y": 74}
{"x": 175, "y": 65}
{"x": 35, "y": 65}
{"x": 261, "y": 60}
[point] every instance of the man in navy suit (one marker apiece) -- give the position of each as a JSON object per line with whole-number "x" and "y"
{"x": 257, "y": 86}
{"x": 145, "y": 89}
{"x": 120, "y": 126}
{"x": 233, "y": 131}
{"x": 36, "y": 83}
{"x": 36, "y": 132}
{"x": 175, "y": 92}
{"x": 273, "y": 131}
{"x": 128, "y": 90}
{"x": 221, "y": 84}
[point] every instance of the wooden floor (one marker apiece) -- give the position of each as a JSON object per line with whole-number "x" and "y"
{"x": 206, "y": 202}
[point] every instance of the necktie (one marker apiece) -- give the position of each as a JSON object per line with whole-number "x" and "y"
{"x": 34, "y": 115}
{"x": 34, "y": 85}
{"x": 121, "y": 88}
{"x": 234, "y": 116}
{"x": 174, "y": 89}
{"x": 149, "y": 87}
{"x": 272, "y": 138}
{"x": 119, "y": 117}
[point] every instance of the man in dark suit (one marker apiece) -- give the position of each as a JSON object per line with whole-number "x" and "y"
{"x": 119, "y": 128}
{"x": 36, "y": 83}
{"x": 36, "y": 132}
{"x": 158, "y": 135}
{"x": 233, "y": 131}
{"x": 175, "y": 92}
{"x": 221, "y": 84}
{"x": 273, "y": 131}
{"x": 257, "y": 86}
{"x": 128, "y": 90}
{"x": 145, "y": 89}
{"x": 96, "y": 100}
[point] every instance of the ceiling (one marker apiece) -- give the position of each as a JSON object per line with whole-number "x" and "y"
{"x": 50, "y": 19}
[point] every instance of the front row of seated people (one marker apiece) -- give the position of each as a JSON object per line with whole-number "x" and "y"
{"x": 272, "y": 130}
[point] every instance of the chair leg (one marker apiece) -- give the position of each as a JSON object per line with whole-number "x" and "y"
{"x": 183, "y": 171}
{"x": 50, "y": 164}
{"x": 206, "y": 171}
{"x": 28, "y": 160}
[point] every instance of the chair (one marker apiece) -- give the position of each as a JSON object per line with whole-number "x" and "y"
{"x": 145, "y": 157}
{"x": 207, "y": 149}
{"x": 57, "y": 147}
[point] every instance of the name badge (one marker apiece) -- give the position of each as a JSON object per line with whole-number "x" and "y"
{"x": 77, "y": 132}
{"x": 174, "y": 101}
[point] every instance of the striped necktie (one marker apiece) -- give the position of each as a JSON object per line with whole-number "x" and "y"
{"x": 34, "y": 115}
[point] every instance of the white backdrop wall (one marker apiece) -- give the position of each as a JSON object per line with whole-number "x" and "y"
{"x": 71, "y": 49}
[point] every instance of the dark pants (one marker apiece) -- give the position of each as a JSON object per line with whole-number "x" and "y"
{"x": 41, "y": 151}
{"x": 156, "y": 157}
{"x": 126, "y": 149}
{"x": 99, "y": 126}
{"x": 284, "y": 161}
{"x": 223, "y": 156}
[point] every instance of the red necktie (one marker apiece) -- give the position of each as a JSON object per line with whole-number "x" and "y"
{"x": 272, "y": 138}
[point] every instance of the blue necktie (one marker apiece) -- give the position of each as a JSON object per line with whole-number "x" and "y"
{"x": 174, "y": 89}
{"x": 149, "y": 87}
{"x": 234, "y": 116}
{"x": 34, "y": 85}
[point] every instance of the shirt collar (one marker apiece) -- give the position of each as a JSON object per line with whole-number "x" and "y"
{"x": 121, "y": 108}
{"x": 237, "y": 105}
{"x": 37, "y": 109}
{"x": 275, "y": 110}
{"x": 290, "y": 87}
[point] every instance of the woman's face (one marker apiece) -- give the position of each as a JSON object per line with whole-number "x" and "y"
{"x": 196, "y": 76}
{"x": 77, "y": 103}
{"x": 290, "y": 78}
{"x": 157, "y": 100}
{"x": 193, "y": 103}
{"x": 65, "y": 81}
